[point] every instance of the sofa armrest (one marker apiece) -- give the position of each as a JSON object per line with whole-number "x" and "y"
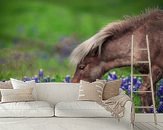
{"x": 128, "y": 112}
{"x": 128, "y": 109}
{"x": 126, "y": 120}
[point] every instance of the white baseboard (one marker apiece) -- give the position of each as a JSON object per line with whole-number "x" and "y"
{"x": 145, "y": 117}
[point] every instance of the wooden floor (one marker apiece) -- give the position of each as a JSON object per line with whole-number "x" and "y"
{"x": 148, "y": 126}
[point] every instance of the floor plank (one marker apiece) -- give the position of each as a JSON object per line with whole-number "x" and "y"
{"x": 158, "y": 125}
{"x": 148, "y": 126}
{"x": 141, "y": 126}
{"x": 136, "y": 128}
{"x": 151, "y": 126}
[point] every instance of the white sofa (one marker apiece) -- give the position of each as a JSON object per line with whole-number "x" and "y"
{"x": 63, "y": 113}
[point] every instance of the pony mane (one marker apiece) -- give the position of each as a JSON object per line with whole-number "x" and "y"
{"x": 96, "y": 41}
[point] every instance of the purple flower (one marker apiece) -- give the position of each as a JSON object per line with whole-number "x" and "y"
{"x": 135, "y": 80}
{"x": 160, "y": 91}
{"x": 161, "y": 82}
{"x": 123, "y": 80}
{"x": 26, "y": 78}
{"x": 160, "y": 108}
{"x": 129, "y": 89}
{"x": 161, "y": 99}
{"x": 36, "y": 79}
{"x": 112, "y": 76}
{"x": 41, "y": 74}
{"x": 67, "y": 79}
{"x": 123, "y": 87}
{"x": 128, "y": 80}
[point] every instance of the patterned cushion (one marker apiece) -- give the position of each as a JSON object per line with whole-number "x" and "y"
{"x": 91, "y": 91}
{"x": 17, "y": 95}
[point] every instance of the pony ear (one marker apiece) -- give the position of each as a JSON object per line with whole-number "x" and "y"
{"x": 97, "y": 51}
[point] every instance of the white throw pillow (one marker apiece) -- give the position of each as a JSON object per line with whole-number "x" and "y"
{"x": 18, "y": 84}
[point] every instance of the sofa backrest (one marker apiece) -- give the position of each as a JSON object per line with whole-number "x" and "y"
{"x": 57, "y": 92}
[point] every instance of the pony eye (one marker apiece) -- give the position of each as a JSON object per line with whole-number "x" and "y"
{"x": 81, "y": 67}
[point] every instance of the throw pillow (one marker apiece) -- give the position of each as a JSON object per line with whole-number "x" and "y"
{"x": 111, "y": 89}
{"x": 91, "y": 91}
{"x": 5, "y": 85}
{"x": 16, "y": 95}
{"x": 18, "y": 84}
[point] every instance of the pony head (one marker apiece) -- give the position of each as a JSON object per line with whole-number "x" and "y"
{"x": 89, "y": 69}
{"x": 87, "y": 56}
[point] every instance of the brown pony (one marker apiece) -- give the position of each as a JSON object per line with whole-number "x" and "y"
{"x": 111, "y": 48}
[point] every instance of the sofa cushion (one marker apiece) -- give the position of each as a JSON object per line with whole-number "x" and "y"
{"x": 5, "y": 85}
{"x": 18, "y": 84}
{"x": 80, "y": 109}
{"x": 91, "y": 91}
{"x": 26, "y": 109}
{"x": 111, "y": 89}
{"x": 16, "y": 95}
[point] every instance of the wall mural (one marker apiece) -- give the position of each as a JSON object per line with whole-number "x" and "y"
{"x": 38, "y": 39}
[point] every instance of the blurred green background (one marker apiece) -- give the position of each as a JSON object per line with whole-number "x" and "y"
{"x": 38, "y": 34}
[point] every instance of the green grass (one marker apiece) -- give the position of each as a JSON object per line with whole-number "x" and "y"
{"x": 46, "y": 22}
{"x": 50, "y": 20}
{"x": 30, "y": 29}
